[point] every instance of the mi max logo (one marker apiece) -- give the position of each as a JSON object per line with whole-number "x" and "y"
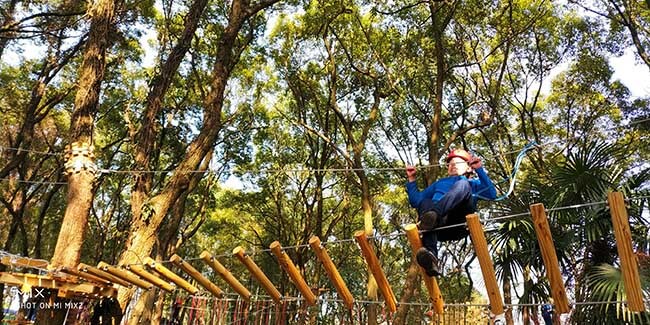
{"x": 34, "y": 293}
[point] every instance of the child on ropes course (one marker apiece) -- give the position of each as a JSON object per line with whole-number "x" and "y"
{"x": 447, "y": 202}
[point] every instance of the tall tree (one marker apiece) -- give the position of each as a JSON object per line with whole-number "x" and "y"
{"x": 80, "y": 180}
{"x": 145, "y": 226}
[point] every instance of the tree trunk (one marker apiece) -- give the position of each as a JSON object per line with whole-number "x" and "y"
{"x": 7, "y": 20}
{"x": 144, "y": 228}
{"x": 411, "y": 286}
{"x": 525, "y": 314}
{"x": 41, "y": 219}
{"x": 80, "y": 182}
{"x": 143, "y": 311}
{"x": 145, "y": 146}
{"x": 507, "y": 299}
{"x": 82, "y": 173}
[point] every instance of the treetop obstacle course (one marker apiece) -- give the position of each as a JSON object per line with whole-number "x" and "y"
{"x": 87, "y": 282}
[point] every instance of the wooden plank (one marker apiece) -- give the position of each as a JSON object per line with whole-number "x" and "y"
{"x": 431, "y": 283}
{"x": 547, "y": 248}
{"x": 84, "y": 275}
{"x": 155, "y": 280}
{"x": 124, "y": 275}
{"x": 171, "y": 276}
{"x": 189, "y": 269}
{"x": 226, "y": 275}
{"x": 332, "y": 272}
{"x": 104, "y": 275}
{"x": 485, "y": 261}
{"x": 629, "y": 262}
{"x": 295, "y": 276}
{"x": 24, "y": 262}
{"x": 257, "y": 273}
{"x": 374, "y": 266}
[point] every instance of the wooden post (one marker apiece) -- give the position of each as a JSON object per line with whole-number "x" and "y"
{"x": 430, "y": 282}
{"x": 375, "y": 268}
{"x": 629, "y": 262}
{"x": 226, "y": 275}
{"x": 104, "y": 275}
{"x": 124, "y": 275}
{"x": 160, "y": 283}
{"x": 86, "y": 276}
{"x": 332, "y": 272}
{"x": 189, "y": 269}
{"x": 484, "y": 259}
{"x": 297, "y": 279}
{"x": 549, "y": 256}
{"x": 171, "y": 276}
{"x": 257, "y": 273}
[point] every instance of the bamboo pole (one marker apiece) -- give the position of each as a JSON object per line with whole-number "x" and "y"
{"x": 155, "y": 280}
{"x": 226, "y": 275}
{"x": 124, "y": 275}
{"x": 547, "y": 247}
{"x": 257, "y": 273}
{"x": 189, "y": 269}
{"x": 104, "y": 275}
{"x": 332, "y": 272}
{"x": 487, "y": 267}
{"x": 171, "y": 276}
{"x": 430, "y": 282}
{"x": 295, "y": 276}
{"x": 375, "y": 268}
{"x": 629, "y": 262}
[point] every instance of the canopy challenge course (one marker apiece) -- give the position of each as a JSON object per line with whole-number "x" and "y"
{"x": 211, "y": 305}
{"x": 260, "y": 162}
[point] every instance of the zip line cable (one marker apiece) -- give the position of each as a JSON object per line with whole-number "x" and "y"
{"x": 291, "y": 170}
{"x": 526, "y": 148}
{"x": 33, "y": 182}
{"x": 3, "y": 148}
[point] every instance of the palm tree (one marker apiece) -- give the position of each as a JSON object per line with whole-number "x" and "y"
{"x": 583, "y": 237}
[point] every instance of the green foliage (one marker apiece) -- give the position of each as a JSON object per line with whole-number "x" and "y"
{"x": 293, "y": 142}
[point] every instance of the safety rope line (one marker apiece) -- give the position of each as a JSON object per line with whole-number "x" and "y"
{"x": 33, "y": 182}
{"x": 3, "y": 148}
{"x": 267, "y": 171}
{"x": 511, "y": 216}
{"x": 512, "y": 177}
{"x": 294, "y": 170}
{"x": 378, "y": 236}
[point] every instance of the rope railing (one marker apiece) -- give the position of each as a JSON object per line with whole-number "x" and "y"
{"x": 402, "y": 233}
{"x": 386, "y": 236}
{"x": 266, "y": 298}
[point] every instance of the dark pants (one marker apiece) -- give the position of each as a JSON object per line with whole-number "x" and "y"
{"x": 452, "y": 209}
